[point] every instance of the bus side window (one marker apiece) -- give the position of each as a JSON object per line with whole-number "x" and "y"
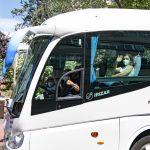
{"x": 118, "y": 60}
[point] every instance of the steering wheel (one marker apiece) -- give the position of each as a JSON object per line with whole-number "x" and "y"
{"x": 49, "y": 85}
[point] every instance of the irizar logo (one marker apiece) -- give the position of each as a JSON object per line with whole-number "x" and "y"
{"x": 91, "y": 95}
{"x": 101, "y": 93}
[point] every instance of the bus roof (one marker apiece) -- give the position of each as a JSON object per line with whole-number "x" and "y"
{"x": 98, "y": 20}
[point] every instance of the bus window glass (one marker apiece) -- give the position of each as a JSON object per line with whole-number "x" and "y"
{"x": 60, "y": 83}
{"x": 33, "y": 56}
{"x": 27, "y": 70}
{"x": 118, "y": 59}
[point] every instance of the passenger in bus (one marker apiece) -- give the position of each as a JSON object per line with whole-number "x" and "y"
{"x": 126, "y": 69}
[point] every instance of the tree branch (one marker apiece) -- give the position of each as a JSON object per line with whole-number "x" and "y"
{"x": 118, "y": 3}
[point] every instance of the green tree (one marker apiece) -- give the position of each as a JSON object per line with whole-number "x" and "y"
{"x": 34, "y": 12}
{"x": 133, "y": 4}
{"x": 28, "y": 12}
{"x": 139, "y": 4}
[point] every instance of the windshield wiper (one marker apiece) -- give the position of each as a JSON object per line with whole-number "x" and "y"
{"x": 10, "y": 112}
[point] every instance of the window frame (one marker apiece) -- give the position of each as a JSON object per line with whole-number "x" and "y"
{"x": 81, "y": 86}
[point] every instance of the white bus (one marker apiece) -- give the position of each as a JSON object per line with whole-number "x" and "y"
{"x": 75, "y": 93}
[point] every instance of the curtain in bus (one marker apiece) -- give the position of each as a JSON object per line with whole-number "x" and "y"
{"x": 94, "y": 41}
{"x": 137, "y": 66}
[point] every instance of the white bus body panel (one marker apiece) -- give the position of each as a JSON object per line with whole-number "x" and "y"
{"x": 113, "y": 107}
{"x": 90, "y": 20}
{"x": 130, "y": 128}
{"x": 78, "y": 136}
{"x": 47, "y": 128}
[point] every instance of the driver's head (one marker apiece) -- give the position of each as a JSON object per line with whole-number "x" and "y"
{"x": 50, "y": 82}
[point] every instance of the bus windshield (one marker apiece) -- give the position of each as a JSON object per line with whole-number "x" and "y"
{"x": 33, "y": 56}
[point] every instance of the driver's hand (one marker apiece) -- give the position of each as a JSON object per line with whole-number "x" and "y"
{"x": 75, "y": 86}
{"x": 69, "y": 82}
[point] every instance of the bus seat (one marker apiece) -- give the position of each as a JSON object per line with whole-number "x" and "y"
{"x": 137, "y": 66}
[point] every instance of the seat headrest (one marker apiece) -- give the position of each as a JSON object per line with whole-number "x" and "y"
{"x": 137, "y": 66}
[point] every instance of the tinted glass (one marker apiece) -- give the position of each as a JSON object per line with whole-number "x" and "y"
{"x": 118, "y": 60}
{"x": 60, "y": 84}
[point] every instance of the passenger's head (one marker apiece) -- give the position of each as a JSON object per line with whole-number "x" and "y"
{"x": 128, "y": 59}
